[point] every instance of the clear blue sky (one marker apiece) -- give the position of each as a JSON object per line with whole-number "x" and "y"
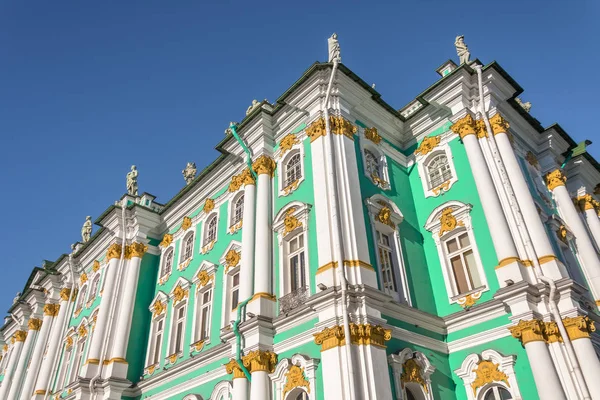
{"x": 88, "y": 88}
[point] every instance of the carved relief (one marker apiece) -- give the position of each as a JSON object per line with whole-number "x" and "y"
{"x": 464, "y": 126}
{"x": 372, "y": 135}
{"x": 187, "y": 222}
{"x": 287, "y": 143}
{"x": 295, "y": 378}
{"x": 448, "y": 221}
{"x": 385, "y": 216}
{"x": 411, "y": 372}
{"x": 232, "y": 259}
{"x": 290, "y": 222}
{"x": 209, "y": 205}
{"x": 427, "y": 145}
{"x": 487, "y": 372}
{"x": 264, "y": 165}
{"x": 166, "y": 240}
{"x": 499, "y": 124}
{"x": 555, "y": 179}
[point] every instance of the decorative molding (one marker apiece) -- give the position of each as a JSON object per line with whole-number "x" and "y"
{"x": 487, "y": 372}
{"x": 166, "y": 240}
{"x": 385, "y": 216}
{"x": 464, "y": 126}
{"x": 187, "y": 221}
{"x": 204, "y": 278}
{"x": 260, "y": 360}
{"x": 338, "y": 125}
{"x": 34, "y": 324}
{"x": 20, "y": 336}
{"x": 361, "y": 334}
{"x": 580, "y": 327}
{"x": 232, "y": 367}
{"x": 529, "y": 331}
{"x": 469, "y": 300}
{"x": 95, "y": 265}
{"x": 372, "y": 135}
{"x": 411, "y": 372}
{"x": 448, "y": 222}
{"x": 209, "y": 205}
{"x": 179, "y": 293}
{"x": 65, "y": 293}
{"x": 135, "y": 249}
{"x": 232, "y": 259}
{"x": 428, "y": 144}
{"x": 51, "y": 310}
{"x": 316, "y": 129}
{"x": 555, "y": 179}
{"x": 264, "y": 165}
{"x": 113, "y": 251}
{"x": 158, "y": 308}
{"x": 83, "y": 279}
{"x": 295, "y": 378}
{"x": 287, "y": 143}
{"x": 499, "y": 124}
{"x": 290, "y": 222}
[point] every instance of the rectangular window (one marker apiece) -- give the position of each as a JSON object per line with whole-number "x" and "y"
{"x": 386, "y": 257}
{"x": 204, "y": 307}
{"x": 77, "y": 362}
{"x": 157, "y": 341}
{"x": 63, "y": 370}
{"x": 462, "y": 262}
{"x": 179, "y": 329}
{"x": 235, "y": 290}
{"x": 296, "y": 263}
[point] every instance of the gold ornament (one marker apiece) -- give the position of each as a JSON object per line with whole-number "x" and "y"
{"x": 555, "y": 179}
{"x": 316, "y": 129}
{"x": 291, "y": 187}
{"x": 264, "y": 165}
{"x": 552, "y": 332}
{"x": 209, "y": 205}
{"x": 372, "y": 135}
{"x": 137, "y": 249}
{"x": 69, "y": 342}
{"x": 34, "y": 324}
{"x": 179, "y": 293}
{"x": 113, "y": 251}
{"x": 445, "y": 186}
{"x": 151, "y": 369}
{"x": 83, "y": 279}
{"x": 259, "y": 360}
{"x": 187, "y": 221}
{"x": 232, "y": 259}
{"x": 360, "y": 334}
{"x": 487, "y": 372}
{"x": 82, "y": 331}
{"x": 499, "y": 124}
{"x": 385, "y": 216}
{"x": 448, "y": 221}
{"x": 532, "y": 160}
{"x": 528, "y": 331}
{"x": 235, "y": 184}
{"x": 20, "y": 336}
{"x": 158, "y": 308}
{"x": 585, "y": 202}
{"x": 295, "y": 378}
{"x": 411, "y": 372}
{"x": 74, "y": 294}
{"x": 51, "y": 310}
{"x": 96, "y": 266}
{"x": 464, "y": 126}
{"x": 481, "y": 129}
{"x": 468, "y": 301}
{"x": 65, "y": 293}
{"x": 166, "y": 240}
{"x": 232, "y": 367}
{"x": 199, "y": 345}
{"x": 290, "y": 222}
{"x": 204, "y": 278}
{"x": 561, "y": 232}
{"x": 172, "y": 358}
{"x": 579, "y": 327}
{"x": 247, "y": 178}
{"x": 427, "y": 145}
{"x": 287, "y": 143}
{"x": 341, "y": 126}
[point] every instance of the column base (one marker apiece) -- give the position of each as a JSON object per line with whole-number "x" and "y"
{"x": 115, "y": 368}
{"x": 512, "y": 269}
{"x": 263, "y": 304}
{"x": 90, "y": 368}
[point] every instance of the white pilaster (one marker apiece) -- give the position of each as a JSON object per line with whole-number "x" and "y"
{"x": 50, "y": 311}
{"x": 17, "y": 380}
{"x": 260, "y": 389}
{"x": 591, "y": 217}
{"x": 240, "y": 389}
{"x": 579, "y": 330}
{"x": 15, "y": 356}
{"x": 248, "y": 232}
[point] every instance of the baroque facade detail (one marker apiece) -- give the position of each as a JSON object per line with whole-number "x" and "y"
{"x": 555, "y": 179}
{"x": 428, "y": 144}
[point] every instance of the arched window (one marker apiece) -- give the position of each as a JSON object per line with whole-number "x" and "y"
{"x": 438, "y": 170}
{"x": 211, "y": 231}
{"x": 293, "y": 170}
{"x": 188, "y": 247}
{"x": 497, "y": 393}
{"x": 385, "y": 249}
{"x": 82, "y": 295}
{"x": 409, "y": 394}
{"x": 372, "y": 164}
{"x": 460, "y": 257}
{"x": 178, "y": 328}
{"x": 238, "y": 210}
{"x": 167, "y": 264}
{"x": 94, "y": 288}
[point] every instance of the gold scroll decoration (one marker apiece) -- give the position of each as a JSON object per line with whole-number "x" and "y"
{"x": 295, "y": 378}
{"x": 448, "y": 221}
{"x": 427, "y": 145}
{"x": 487, "y": 372}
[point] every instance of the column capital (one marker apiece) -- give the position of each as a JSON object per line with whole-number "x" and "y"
{"x": 34, "y": 324}
{"x": 20, "y": 336}
{"x": 113, "y": 251}
{"x": 264, "y": 165}
{"x": 584, "y": 203}
{"x": 65, "y": 293}
{"x": 555, "y": 179}
{"x": 579, "y": 327}
{"x": 135, "y": 249}
{"x": 499, "y": 124}
{"x": 464, "y": 126}
{"x": 341, "y": 126}
{"x": 260, "y": 360}
{"x": 243, "y": 179}
{"x": 232, "y": 367}
{"x": 528, "y": 331}
{"x": 360, "y": 334}
{"x": 51, "y": 310}
{"x": 552, "y": 332}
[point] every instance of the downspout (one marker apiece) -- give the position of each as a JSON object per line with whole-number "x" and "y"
{"x": 242, "y": 305}
{"x": 336, "y": 227}
{"x": 112, "y": 305}
{"x": 529, "y": 249}
{"x": 66, "y": 321}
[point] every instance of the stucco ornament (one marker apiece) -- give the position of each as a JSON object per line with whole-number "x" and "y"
{"x": 232, "y": 259}
{"x": 132, "y": 184}
{"x": 86, "y": 230}
{"x": 290, "y": 222}
{"x": 186, "y": 224}
{"x": 295, "y": 378}
{"x": 462, "y": 50}
{"x": 287, "y": 143}
{"x": 189, "y": 173}
{"x": 204, "y": 278}
{"x": 82, "y": 331}
{"x": 487, "y": 372}
{"x": 411, "y": 372}
{"x": 334, "y": 51}
{"x": 385, "y": 216}
{"x": 264, "y": 165}
{"x": 179, "y": 293}
{"x": 499, "y": 124}
{"x": 448, "y": 221}
{"x": 372, "y": 135}
{"x": 34, "y": 324}
{"x": 166, "y": 240}
{"x": 209, "y": 205}
{"x": 20, "y": 336}
{"x": 255, "y": 104}
{"x": 555, "y": 179}
{"x": 532, "y": 160}
{"x": 95, "y": 265}
{"x": 316, "y": 129}
{"x": 427, "y": 145}
{"x": 464, "y": 126}
{"x": 158, "y": 308}
{"x": 259, "y": 360}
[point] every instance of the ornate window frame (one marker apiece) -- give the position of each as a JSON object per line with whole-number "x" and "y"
{"x": 178, "y": 297}
{"x": 94, "y": 286}
{"x": 295, "y": 373}
{"x": 230, "y": 260}
{"x": 79, "y": 350}
{"x": 235, "y": 226}
{"x": 182, "y": 263}
{"x": 205, "y": 246}
{"x": 222, "y": 391}
{"x": 455, "y": 222}
{"x": 158, "y": 308}
{"x": 370, "y": 140}
{"x": 417, "y": 376}
{"x": 502, "y": 374}
{"x": 290, "y": 145}
{"x": 204, "y": 280}
{"x": 429, "y": 149}
{"x": 386, "y": 219}
{"x": 290, "y": 222}
{"x": 162, "y": 278}
{"x": 65, "y": 363}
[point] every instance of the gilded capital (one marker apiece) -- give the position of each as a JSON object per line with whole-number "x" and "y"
{"x": 232, "y": 367}
{"x": 481, "y": 129}
{"x": 499, "y": 124}
{"x": 464, "y": 126}
{"x": 51, "y": 310}
{"x": 552, "y": 332}
{"x": 585, "y": 202}
{"x": 137, "y": 250}
{"x": 555, "y": 179}
{"x": 259, "y": 360}
{"x": 360, "y": 334}
{"x": 579, "y": 327}
{"x": 114, "y": 251}
{"x": 316, "y": 129}
{"x": 34, "y": 324}
{"x": 341, "y": 126}
{"x": 20, "y": 336}
{"x": 65, "y": 293}
{"x": 264, "y": 165}
{"x": 528, "y": 331}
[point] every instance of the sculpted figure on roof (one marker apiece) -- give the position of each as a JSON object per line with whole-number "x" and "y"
{"x": 86, "y": 230}
{"x": 334, "y": 49}
{"x": 255, "y": 103}
{"x": 189, "y": 173}
{"x": 132, "y": 185}
{"x": 462, "y": 50}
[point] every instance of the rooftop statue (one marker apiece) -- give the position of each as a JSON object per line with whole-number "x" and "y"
{"x": 334, "y": 49}
{"x": 86, "y": 230}
{"x": 526, "y": 106}
{"x": 462, "y": 50}
{"x": 189, "y": 173}
{"x": 17, "y": 297}
{"x": 255, "y": 103}
{"x": 132, "y": 185}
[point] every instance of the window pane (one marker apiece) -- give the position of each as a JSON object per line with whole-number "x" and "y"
{"x": 302, "y": 271}
{"x": 236, "y": 279}
{"x": 459, "y": 274}
{"x": 293, "y": 245}
{"x": 294, "y": 273}
{"x": 452, "y": 245}
{"x": 234, "y": 299}
{"x": 464, "y": 240}
{"x": 472, "y": 268}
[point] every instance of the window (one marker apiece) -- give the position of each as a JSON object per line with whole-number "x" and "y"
{"x": 410, "y": 395}
{"x": 204, "y": 314}
{"x": 188, "y": 246}
{"x": 77, "y": 362}
{"x": 167, "y": 264}
{"x": 293, "y": 170}
{"x": 296, "y": 263}
{"x": 386, "y": 257}
{"x": 211, "y": 231}
{"x": 462, "y": 261}
{"x": 372, "y": 164}
{"x": 82, "y": 295}
{"x": 235, "y": 290}
{"x": 156, "y": 341}
{"x": 497, "y": 393}
{"x": 95, "y": 284}
{"x": 238, "y": 210}
{"x": 178, "y": 329}
{"x": 63, "y": 369}
{"x": 438, "y": 170}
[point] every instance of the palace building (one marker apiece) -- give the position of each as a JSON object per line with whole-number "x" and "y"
{"x": 338, "y": 248}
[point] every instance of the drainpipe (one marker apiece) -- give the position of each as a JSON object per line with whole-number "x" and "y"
{"x": 242, "y": 305}
{"x": 529, "y": 249}
{"x": 337, "y": 244}
{"x": 112, "y": 305}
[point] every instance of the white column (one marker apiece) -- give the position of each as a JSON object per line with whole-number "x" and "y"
{"x": 263, "y": 302}
{"x": 247, "y": 263}
{"x": 15, "y": 356}
{"x": 240, "y": 383}
{"x": 537, "y": 232}
{"x": 50, "y": 311}
{"x": 531, "y": 335}
{"x": 260, "y": 363}
{"x": 496, "y": 221}
{"x": 17, "y": 380}
{"x": 91, "y": 366}
{"x": 591, "y": 217}
{"x": 591, "y": 264}
{"x": 42, "y": 384}
{"x": 579, "y": 330}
